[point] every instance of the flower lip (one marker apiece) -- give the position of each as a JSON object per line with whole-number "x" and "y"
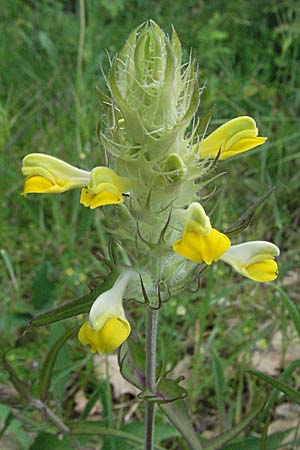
{"x": 233, "y": 137}
{"x": 202, "y": 248}
{"x": 105, "y": 188}
{"x": 113, "y": 333}
{"x": 251, "y": 252}
{"x": 107, "y": 327}
{"x": 200, "y": 242}
{"x": 254, "y": 260}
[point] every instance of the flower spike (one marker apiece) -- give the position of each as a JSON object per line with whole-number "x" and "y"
{"x": 200, "y": 242}
{"x": 105, "y": 188}
{"x": 107, "y": 327}
{"x": 46, "y": 174}
{"x": 254, "y": 260}
{"x": 236, "y": 136}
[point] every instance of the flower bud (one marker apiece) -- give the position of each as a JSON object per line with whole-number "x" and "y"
{"x": 157, "y": 99}
{"x": 174, "y": 167}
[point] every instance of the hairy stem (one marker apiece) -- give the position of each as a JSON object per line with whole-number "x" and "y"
{"x": 150, "y": 384}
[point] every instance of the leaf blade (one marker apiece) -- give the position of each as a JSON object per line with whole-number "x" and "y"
{"x": 287, "y": 390}
{"x": 70, "y": 309}
{"x": 47, "y": 368}
{"x": 219, "y": 442}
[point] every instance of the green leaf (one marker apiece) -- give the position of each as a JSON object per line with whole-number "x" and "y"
{"x": 220, "y": 386}
{"x": 169, "y": 390}
{"x": 91, "y": 402}
{"x": 105, "y": 99}
{"x": 21, "y": 386}
{"x": 81, "y": 427}
{"x": 18, "y": 438}
{"x": 291, "y": 307}
{"x": 70, "y": 309}
{"x": 163, "y": 431}
{"x": 132, "y": 362}
{"x": 47, "y": 367}
{"x": 287, "y": 390}
{"x": 219, "y": 442}
{"x": 47, "y": 441}
{"x": 274, "y": 442}
{"x": 178, "y": 415}
{"x": 8, "y": 420}
{"x": 273, "y": 397}
{"x": 244, "y": 221}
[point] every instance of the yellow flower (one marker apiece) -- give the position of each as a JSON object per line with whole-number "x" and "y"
{"x": 236, "y": 136}
{"x": 200, "y": 242}
{"x": 46, "y": 174}
{"x": 105, "y": 188}
{"x": 107, "y": 327}
{"x": 254, "y": 260}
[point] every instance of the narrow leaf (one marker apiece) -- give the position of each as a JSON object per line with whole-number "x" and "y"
{"x": 291, "y": 308}
{"x": 219, "y": 442}
{"x": 273, "y": 397}
{"x": 163, "y": 431}
{"x": 220, "y": 384}
{"x": 47, "y": 441}
{"x": 46, "y": 371}
{"x": 70, "y": 309}
{"x": 131, "y": 359}
{"x": 9, "y": 418}
{"x": 19, "y": 385}
{"x": 91, "y": 402}
{"x": 178, "y": 415}
{"x": 81, "y": 427}
{"x": 287, "y": 390}
{"x": 274, "y": 442}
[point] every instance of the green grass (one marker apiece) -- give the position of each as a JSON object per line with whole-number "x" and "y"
{"x": 248, "y": 55}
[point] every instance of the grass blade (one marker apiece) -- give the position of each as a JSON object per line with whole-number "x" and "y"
{"x": 46, "y": 371}
{"x": 287, "y": 390}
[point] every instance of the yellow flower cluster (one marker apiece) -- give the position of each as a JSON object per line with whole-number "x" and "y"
{"x": 153, "y": 101}
{"x": 199, "y": 242}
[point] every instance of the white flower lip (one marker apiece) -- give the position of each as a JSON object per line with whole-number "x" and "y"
{"x": 250, "y": 252}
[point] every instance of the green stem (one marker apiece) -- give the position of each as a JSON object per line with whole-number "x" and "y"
{"x": 150, "y": 381}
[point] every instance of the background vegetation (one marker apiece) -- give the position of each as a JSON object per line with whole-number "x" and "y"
{"x": 248, "y": 55}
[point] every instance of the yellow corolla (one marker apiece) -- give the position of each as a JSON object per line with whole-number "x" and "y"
{"x": 200, "y": 242}
{"x": 254, "y": 260}
{"x": 46, "y": 174}
{"x": 105, "y": 188}
{"x": 107, "y": 327}
{"x": 236, "y": 136}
